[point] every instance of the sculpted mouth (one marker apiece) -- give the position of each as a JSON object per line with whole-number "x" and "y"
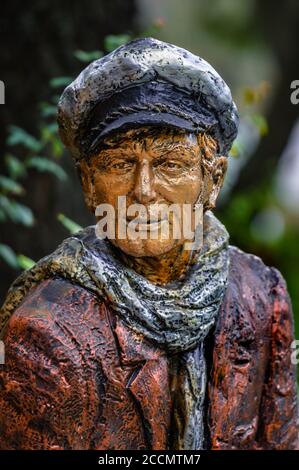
{"x": 146, "y": 225}
{"x": 147, "y": 221}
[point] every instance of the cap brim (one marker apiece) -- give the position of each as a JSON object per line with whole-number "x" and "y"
{"x": 149, "y": 118}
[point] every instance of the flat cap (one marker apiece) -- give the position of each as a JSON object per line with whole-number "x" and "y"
{"x": 145, "y": 82}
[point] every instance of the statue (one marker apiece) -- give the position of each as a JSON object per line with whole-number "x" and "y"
{"x": 148, "y": 342}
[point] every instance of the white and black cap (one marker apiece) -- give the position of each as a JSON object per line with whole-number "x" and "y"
{"x": 146, "y": 82}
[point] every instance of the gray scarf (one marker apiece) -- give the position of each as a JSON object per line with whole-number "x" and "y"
{"x": 178, "y": 316}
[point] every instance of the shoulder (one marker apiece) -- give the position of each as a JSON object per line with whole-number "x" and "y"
{"x": 249, "y": 273}
{"x": 49, "y": 297}
{"x": 254, "y": 292}
{"x": 265, "y": 290}
{"x": 53, "y": 316}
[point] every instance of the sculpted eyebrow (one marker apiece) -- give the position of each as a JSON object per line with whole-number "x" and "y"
{"x": 116, "y": 144}
{"x": 168, "y": 152}
{"x": 116, "y": 152}
{"x": 106, "y": 158}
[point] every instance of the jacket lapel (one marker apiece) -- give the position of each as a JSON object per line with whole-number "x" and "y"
{"x": 147, "y": 383}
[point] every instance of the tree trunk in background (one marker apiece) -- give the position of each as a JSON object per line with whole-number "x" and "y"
{"x": 37, "y": 43}
{"x": 279, "y": 22}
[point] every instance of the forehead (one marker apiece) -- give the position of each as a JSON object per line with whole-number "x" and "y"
{"x": 155, "y": 140}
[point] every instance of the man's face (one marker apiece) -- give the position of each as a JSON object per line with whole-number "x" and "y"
{"x": 148, "y": 170}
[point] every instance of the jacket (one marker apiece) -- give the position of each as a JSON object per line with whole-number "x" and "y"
{"x": 77, "y": 377}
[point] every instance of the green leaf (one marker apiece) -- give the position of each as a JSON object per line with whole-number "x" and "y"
{"x": 22, "y": 214}
{"x": 48, "y": 110}
{"x": 57, "y": 147}
{"x": 84, "y": 56}
{"x": 58, "y": 82}
{"x": 15, "y": 167}
{"x": 50, "y": 135}
{"x": 52, "y": 128}
{"x": 249, "y": 96}
{"x": 24, "y": 262}
{"x": 18, "y": 136}
{"x": 261, "y": 123}
{"x": 9, "y": 256}
{"x": 69, "y": 224}
{"x": 236, "y": 150}
{"x": 17, "y": 212}
{"x": 43, "y": 164}
{"x": 10, "y": 186}
{"x": 112, "y": 41}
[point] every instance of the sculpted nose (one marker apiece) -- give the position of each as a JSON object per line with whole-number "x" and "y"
{"x": 144, "y": 184}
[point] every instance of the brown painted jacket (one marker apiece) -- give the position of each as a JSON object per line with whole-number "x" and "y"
{"x": 76, "y": 377}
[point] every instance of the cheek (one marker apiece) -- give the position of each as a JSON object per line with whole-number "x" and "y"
{"x": 208, "y": 187}
{"x": 184, "y": 188}
{"x": 109, "y": 187}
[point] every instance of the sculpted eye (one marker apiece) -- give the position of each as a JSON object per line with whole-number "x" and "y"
{"x": 171, "y": 165}
{"x": 122, "y": 165}
{"x": 119, "y": 165}
{"x": 174, "y": 165}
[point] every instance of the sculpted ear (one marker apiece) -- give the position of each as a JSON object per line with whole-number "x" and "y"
{"x": 218, "y": 174}
{"x": 85, "y": 175}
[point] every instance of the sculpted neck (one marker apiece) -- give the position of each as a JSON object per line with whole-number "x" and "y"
{"x": 161, "y": 269}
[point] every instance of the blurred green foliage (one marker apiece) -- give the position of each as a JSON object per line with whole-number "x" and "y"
{"x": 25, "y": 156}
{"x": 69, "y": 224}
{"x": 28, "y": 153}
{"x": 258, "y": 224}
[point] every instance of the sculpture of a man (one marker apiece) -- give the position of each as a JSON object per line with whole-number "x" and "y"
{"x": 139, "y": 342}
